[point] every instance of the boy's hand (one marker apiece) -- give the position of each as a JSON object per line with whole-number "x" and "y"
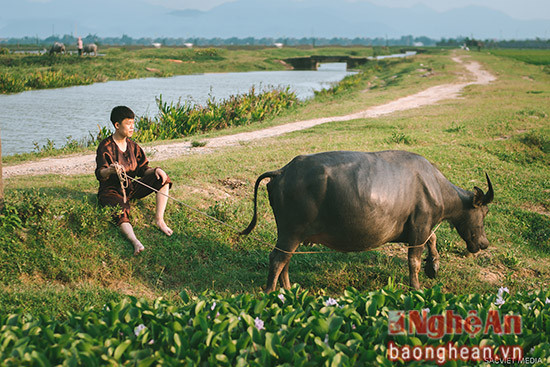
{"x": 108, "y": 171}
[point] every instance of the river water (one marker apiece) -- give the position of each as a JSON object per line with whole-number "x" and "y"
{"x": 56, "y": 114}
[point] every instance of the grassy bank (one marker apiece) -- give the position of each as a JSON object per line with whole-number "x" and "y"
{"x": 20, "y": 72}
{"x": 60, "y": 253}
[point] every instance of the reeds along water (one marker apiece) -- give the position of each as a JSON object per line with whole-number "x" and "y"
{"x": 10, "y": 83}
{"x": 184, "y": 119}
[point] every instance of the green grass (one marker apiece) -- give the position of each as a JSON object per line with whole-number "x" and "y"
{"x": 530, "y": 56}
{"x": 57, "y": 245}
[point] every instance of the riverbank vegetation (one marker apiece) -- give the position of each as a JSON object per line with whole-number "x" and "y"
{"x": 180, "y": 120}
{"x": 26, "y": 71}
{"x": 60, "y": 254}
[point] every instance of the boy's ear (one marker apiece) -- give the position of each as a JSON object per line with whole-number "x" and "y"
{"x": 117, "y": 125}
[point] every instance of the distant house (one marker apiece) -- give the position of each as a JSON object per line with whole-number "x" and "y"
{"x": 278, "y": 45}
{"x": 156, "y": 44}
{"x": 188, "y": 45}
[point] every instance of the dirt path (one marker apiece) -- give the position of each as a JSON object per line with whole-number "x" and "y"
{"x": 86, "y": 163}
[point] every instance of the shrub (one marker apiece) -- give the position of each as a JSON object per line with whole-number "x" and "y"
{"x": 286, "y": 328}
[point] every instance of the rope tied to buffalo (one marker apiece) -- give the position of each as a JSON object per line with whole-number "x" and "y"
{"x": 123, "y": 177}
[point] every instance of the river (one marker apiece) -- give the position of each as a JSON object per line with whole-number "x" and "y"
{"x": 36, "y": 117}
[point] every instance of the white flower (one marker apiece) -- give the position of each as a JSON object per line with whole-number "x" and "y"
{"x": 139, "y": 329}
{"x": 501, "y": 291}
{"x": 331, "y": 302}
{"x": 426, "y": 309}
{"x": 547, "y": 301}
{"x": 259, "y": 323}
{"x": 151, "y": 342}
{"x": 281, "y": 297}
{"x": 500, "y": 301}
{"x": 326, "y": 340}
{"x": 213, "y": 306}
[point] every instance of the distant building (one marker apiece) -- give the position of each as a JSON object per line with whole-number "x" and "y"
{"x": 278, "y": 45}
{"x": 188, "y": 45}
{"x": 156, "y": 44}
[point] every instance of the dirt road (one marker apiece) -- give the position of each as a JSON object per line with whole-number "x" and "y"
{"x": 86, "y": 163}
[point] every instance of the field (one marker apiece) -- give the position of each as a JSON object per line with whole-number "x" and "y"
{"x": 60, "y": 255}
{"x": 535, "y": 57}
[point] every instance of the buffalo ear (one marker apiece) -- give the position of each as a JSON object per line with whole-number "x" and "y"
{"x": 479, "y": 197}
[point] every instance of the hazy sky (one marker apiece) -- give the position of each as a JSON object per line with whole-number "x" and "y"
{"x": 521, "y": 9}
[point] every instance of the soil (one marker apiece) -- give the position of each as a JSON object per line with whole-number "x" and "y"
{"x": 82, "y": 164}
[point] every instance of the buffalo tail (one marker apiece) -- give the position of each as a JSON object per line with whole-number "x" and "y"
{"x": 252, "y": 224}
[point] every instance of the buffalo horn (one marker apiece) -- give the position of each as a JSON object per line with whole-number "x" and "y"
{"x": 488, "y": 197}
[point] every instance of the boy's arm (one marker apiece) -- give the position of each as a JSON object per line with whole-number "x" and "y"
{"x": 104, "y": 163}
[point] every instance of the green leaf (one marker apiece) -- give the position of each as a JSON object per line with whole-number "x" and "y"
{"x": 319, "y": 325}
{"x": 177, "y": 340}
{"x": 147, "y": 361}
{"x": 222, "y": 358}
{"x": 119, "y": 351}
{"x": 271, "y": 342}
{"x": 372, "y": 307}
{"x": 335, "y": 323}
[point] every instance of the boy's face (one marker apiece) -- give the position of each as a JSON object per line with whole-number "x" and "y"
{"x": 125, "y": 128}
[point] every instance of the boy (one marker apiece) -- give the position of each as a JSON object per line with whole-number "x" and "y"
{"x": 118, "y": 149}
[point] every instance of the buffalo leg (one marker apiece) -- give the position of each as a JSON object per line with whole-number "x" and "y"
{"x": 432, "y": 261}
{"x": 283, "y": 278}
{"x": 415, "y": 257}
{"x": 278, "y": 260}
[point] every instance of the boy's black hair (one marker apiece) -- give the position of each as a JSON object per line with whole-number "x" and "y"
{"x": 120, "y": 113}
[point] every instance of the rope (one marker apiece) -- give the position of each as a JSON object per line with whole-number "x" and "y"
{"x": 123, "y": 177}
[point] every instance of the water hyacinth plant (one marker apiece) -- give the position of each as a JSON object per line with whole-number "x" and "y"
{"x": 263, "y": 330}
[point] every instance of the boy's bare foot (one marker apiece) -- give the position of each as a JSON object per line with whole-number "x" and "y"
{"x": 138, "y": 248}
{"x": 164, "y": 228}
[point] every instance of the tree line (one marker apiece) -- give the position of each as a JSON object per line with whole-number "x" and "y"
{"x": 409, "y": 40}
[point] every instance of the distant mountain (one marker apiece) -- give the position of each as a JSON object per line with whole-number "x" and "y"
{"x": 259, "y": 18}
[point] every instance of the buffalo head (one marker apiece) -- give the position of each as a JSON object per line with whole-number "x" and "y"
{"x": 470, "y": 223}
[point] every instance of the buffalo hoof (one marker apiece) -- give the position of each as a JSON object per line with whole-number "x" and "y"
{"x": 431, "y": 267}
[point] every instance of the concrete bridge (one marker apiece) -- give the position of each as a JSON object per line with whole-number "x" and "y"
{"x": 312, "y": 62}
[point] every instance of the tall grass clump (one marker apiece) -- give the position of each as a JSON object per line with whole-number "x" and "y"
{"x": 184, "y": 119}
{"x": 10, "y": 83}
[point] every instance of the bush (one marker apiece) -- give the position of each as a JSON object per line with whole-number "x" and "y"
{"x": 288, "y": 328}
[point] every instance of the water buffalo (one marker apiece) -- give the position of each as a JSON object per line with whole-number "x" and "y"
{"x": 57, "y": 48}
{"x": 357, "y": 201}
{"x": 89, "y": 49}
